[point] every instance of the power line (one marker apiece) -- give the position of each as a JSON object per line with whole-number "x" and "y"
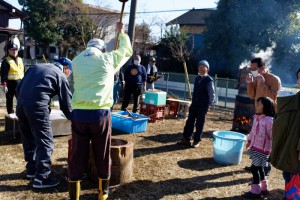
{"x": 162, "y": 11}
{"x": 144, "y": 12}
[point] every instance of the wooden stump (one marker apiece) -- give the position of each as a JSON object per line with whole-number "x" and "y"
{"x": 122, "y": 162}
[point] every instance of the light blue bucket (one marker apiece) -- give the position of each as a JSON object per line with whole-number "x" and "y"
{"x": 228, "y": 147}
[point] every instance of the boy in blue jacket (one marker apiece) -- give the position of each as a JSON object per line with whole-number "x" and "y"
{"x": 203, "y": 97}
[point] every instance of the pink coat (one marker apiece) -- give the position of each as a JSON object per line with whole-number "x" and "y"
{"x": 260, "y": 137}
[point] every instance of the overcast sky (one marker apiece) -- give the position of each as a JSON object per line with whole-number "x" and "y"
{"x": 144, "y": 6}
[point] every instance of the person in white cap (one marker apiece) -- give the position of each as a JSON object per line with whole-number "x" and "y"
{"x": 93, "y": 71}
{"x": 203, "y": 97}
{"x": 151, "y": 73}
{"x": 12, "y": 71}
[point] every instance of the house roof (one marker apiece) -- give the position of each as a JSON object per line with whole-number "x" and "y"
{"x": 98, "y": 9}
{"x": 10, "y": 30}
{"x": 192, "y": 17}
{"x": 14, "y": 13}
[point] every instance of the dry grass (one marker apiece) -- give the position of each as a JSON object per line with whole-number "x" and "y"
{"x": 162, "y": 169}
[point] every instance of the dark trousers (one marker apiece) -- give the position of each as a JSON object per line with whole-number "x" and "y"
{"x": 196, "y": 114}
{"x": 11, "y": 86}
{"x": 287, "y": 176}
{"x": 37, "y": 139}
{"x": 258, "y": 174}
{"x": 99, "y": 133}
{"x": 136, "y": 91}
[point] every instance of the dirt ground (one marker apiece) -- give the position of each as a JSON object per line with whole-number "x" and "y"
{"x": 162, "y": 169}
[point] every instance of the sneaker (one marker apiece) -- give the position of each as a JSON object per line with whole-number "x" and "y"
{"x": 47, "y": 183}
{"x": 196, "y": 144}
{"x": 185, "y": 142}
{"x": 30, "y": 176}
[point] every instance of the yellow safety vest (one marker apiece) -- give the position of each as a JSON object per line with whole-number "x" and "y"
{"x": 16, "y": 72}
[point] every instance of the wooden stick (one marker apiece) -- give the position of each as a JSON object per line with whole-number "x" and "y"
{"x": 121, "y": 17}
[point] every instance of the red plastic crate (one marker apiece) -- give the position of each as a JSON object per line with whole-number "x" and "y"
{"x": 172, "y": 108}
{"x": 144, "y": 108}
{"x": 156, "y": 113}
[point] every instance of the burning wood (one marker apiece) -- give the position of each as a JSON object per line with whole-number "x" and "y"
{"x": 243, "y": 120}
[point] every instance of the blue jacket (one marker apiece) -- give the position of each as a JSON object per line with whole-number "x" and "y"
{"x": 40, "y": 84}
{"x": 135, "y": 75}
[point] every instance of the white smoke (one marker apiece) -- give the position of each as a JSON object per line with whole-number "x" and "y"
{"x": 266, "y": 55}
{"x": 245, "y": 63}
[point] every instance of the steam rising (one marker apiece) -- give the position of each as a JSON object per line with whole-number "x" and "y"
{"x": 266, "y": 55}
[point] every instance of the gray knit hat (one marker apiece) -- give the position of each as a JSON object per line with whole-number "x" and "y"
{"x": 204, "y": 62}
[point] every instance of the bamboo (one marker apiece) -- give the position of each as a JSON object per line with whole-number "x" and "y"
{"x": 121, "y": 18}
{"x": 187, "y": 80}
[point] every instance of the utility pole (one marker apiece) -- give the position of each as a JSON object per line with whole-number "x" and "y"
{"x": 131, "y": 25}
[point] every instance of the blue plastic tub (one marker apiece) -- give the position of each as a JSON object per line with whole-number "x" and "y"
{"x": 123, "y": 122}
{"x": 228, "y": 147}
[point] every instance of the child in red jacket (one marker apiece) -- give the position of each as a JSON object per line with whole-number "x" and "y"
{"x": 260, "y": 144}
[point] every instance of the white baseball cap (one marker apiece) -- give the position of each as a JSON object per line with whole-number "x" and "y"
{"x": 98, "y": 43}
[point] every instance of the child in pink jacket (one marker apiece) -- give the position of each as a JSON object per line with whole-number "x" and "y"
{"x": 260, "y": 144}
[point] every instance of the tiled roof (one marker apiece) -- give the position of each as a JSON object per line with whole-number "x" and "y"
{"x": 14, "y": 13}
{"x": 192, "y": 17}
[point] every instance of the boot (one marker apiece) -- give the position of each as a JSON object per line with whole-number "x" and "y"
{"x": 74, "y": 190}
{"x": 264, "y": 187}
{"x": 254, "y": 193}
{"x": 103, "y": 189}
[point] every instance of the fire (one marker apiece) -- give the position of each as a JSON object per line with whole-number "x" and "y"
{"x": 243, "y": 120}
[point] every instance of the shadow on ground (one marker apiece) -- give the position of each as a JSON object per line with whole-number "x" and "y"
{"x": 146, "y": 189}
{"x": 201, "y": 164}
{"x": 156, "y": 150}
{"x": 173, "y": 138}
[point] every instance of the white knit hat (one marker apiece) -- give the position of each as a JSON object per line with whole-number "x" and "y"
{"x": 98, "y": 43}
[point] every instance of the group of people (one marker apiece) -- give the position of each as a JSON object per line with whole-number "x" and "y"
{"x": 88, "y": 109}
{"x": 275, "y": 132}
{"x": 274, "y": 136}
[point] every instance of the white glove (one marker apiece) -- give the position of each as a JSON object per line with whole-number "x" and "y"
{"x": 4, "y": 89}
{"x": 260, "y": 79}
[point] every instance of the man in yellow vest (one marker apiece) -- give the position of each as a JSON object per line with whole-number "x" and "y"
{"x": 12, "y": 71}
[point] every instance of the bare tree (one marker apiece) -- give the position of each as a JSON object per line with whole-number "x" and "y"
{"x": 181, "y": 46}
{"x": 82, "y": 22}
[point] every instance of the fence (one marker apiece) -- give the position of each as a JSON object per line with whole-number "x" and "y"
{"x": 174, "y": 84}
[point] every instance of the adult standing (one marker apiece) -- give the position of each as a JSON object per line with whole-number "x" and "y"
{"x": 151, "y": 73}
{"x": 285, "y": 154}
{"x": 91, "y": 119}
{"x": 12, "y": 71}
{"x": 135, "y": 77}
{"x": 203, "y": 97}
{"x": 40, "y": 84}
{"x": 262, "y": 83}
